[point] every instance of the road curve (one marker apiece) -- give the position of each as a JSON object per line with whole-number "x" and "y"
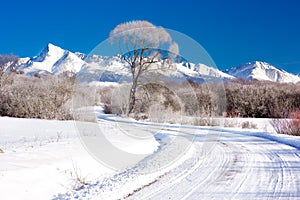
{"x": 236, "y": 166}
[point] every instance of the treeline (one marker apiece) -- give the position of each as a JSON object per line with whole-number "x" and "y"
{"x": 50, "y": 97}
{"x": 257, "y": 99}
{"x": 262, "y": 99}
{"x": 232, "y": 99}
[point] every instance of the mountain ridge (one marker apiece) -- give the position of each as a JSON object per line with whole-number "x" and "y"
{"x": 55, "y": 60}
{"x": 262, "y": 71}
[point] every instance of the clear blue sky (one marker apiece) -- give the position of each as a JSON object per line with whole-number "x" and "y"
{"x": 232, "y": 31}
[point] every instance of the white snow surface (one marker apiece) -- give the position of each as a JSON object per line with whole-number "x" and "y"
{"x": 40, "y": 160}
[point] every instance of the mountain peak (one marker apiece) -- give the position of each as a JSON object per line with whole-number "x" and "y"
{"x": 257, "y": 62}
{"x": 49, "y": 51}
{"x": 53, "y": 60}
{"x": 51, "y": 45}
{"x": 51, "y": 48}
{"x": 259, "y": 70}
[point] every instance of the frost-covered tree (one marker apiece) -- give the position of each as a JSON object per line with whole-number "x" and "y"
{"x": 141, "y": 44}
{"x": 7, "y": 63}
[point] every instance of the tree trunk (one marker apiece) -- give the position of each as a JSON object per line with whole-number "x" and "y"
{"x": 132, "y": 97}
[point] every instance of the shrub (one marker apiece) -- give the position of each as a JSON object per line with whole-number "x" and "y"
{"x": 231, "y": 122}
{"x": 47, "y": 97}
{"x": 107, "y": 109}
{"x": 289, "y": 126}
{"x": 262, "y": 99}
{"x": 199, "y": 121}
{"x": 105, "y": 94}
{"x": 249, "y": 125}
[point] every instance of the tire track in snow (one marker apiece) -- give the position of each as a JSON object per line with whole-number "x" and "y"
{"x": 239, "y": 167}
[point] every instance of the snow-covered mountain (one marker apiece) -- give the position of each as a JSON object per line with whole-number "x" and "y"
{"x": 262, "y": 71}
{"x": 201, "y": 70}
{"x": 55, "y": 60}
{"x": 10, "y": 64}
{"x": 52, "y": 60}
{"x": 104, "y": 69}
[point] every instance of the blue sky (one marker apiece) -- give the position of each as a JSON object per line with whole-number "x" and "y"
{"x": 233, "y": 32}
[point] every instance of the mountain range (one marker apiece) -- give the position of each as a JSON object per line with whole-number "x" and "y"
{"x": 55, "y": 60}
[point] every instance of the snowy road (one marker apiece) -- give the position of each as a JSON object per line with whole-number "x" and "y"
{"x": 237, "y": 166}
{"x": 190, "y": 163}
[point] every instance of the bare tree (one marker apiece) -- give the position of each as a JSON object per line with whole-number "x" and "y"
{"x": 141, "y": 44}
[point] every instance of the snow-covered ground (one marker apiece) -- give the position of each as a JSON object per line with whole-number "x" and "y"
{"x": 45, "y": 159}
